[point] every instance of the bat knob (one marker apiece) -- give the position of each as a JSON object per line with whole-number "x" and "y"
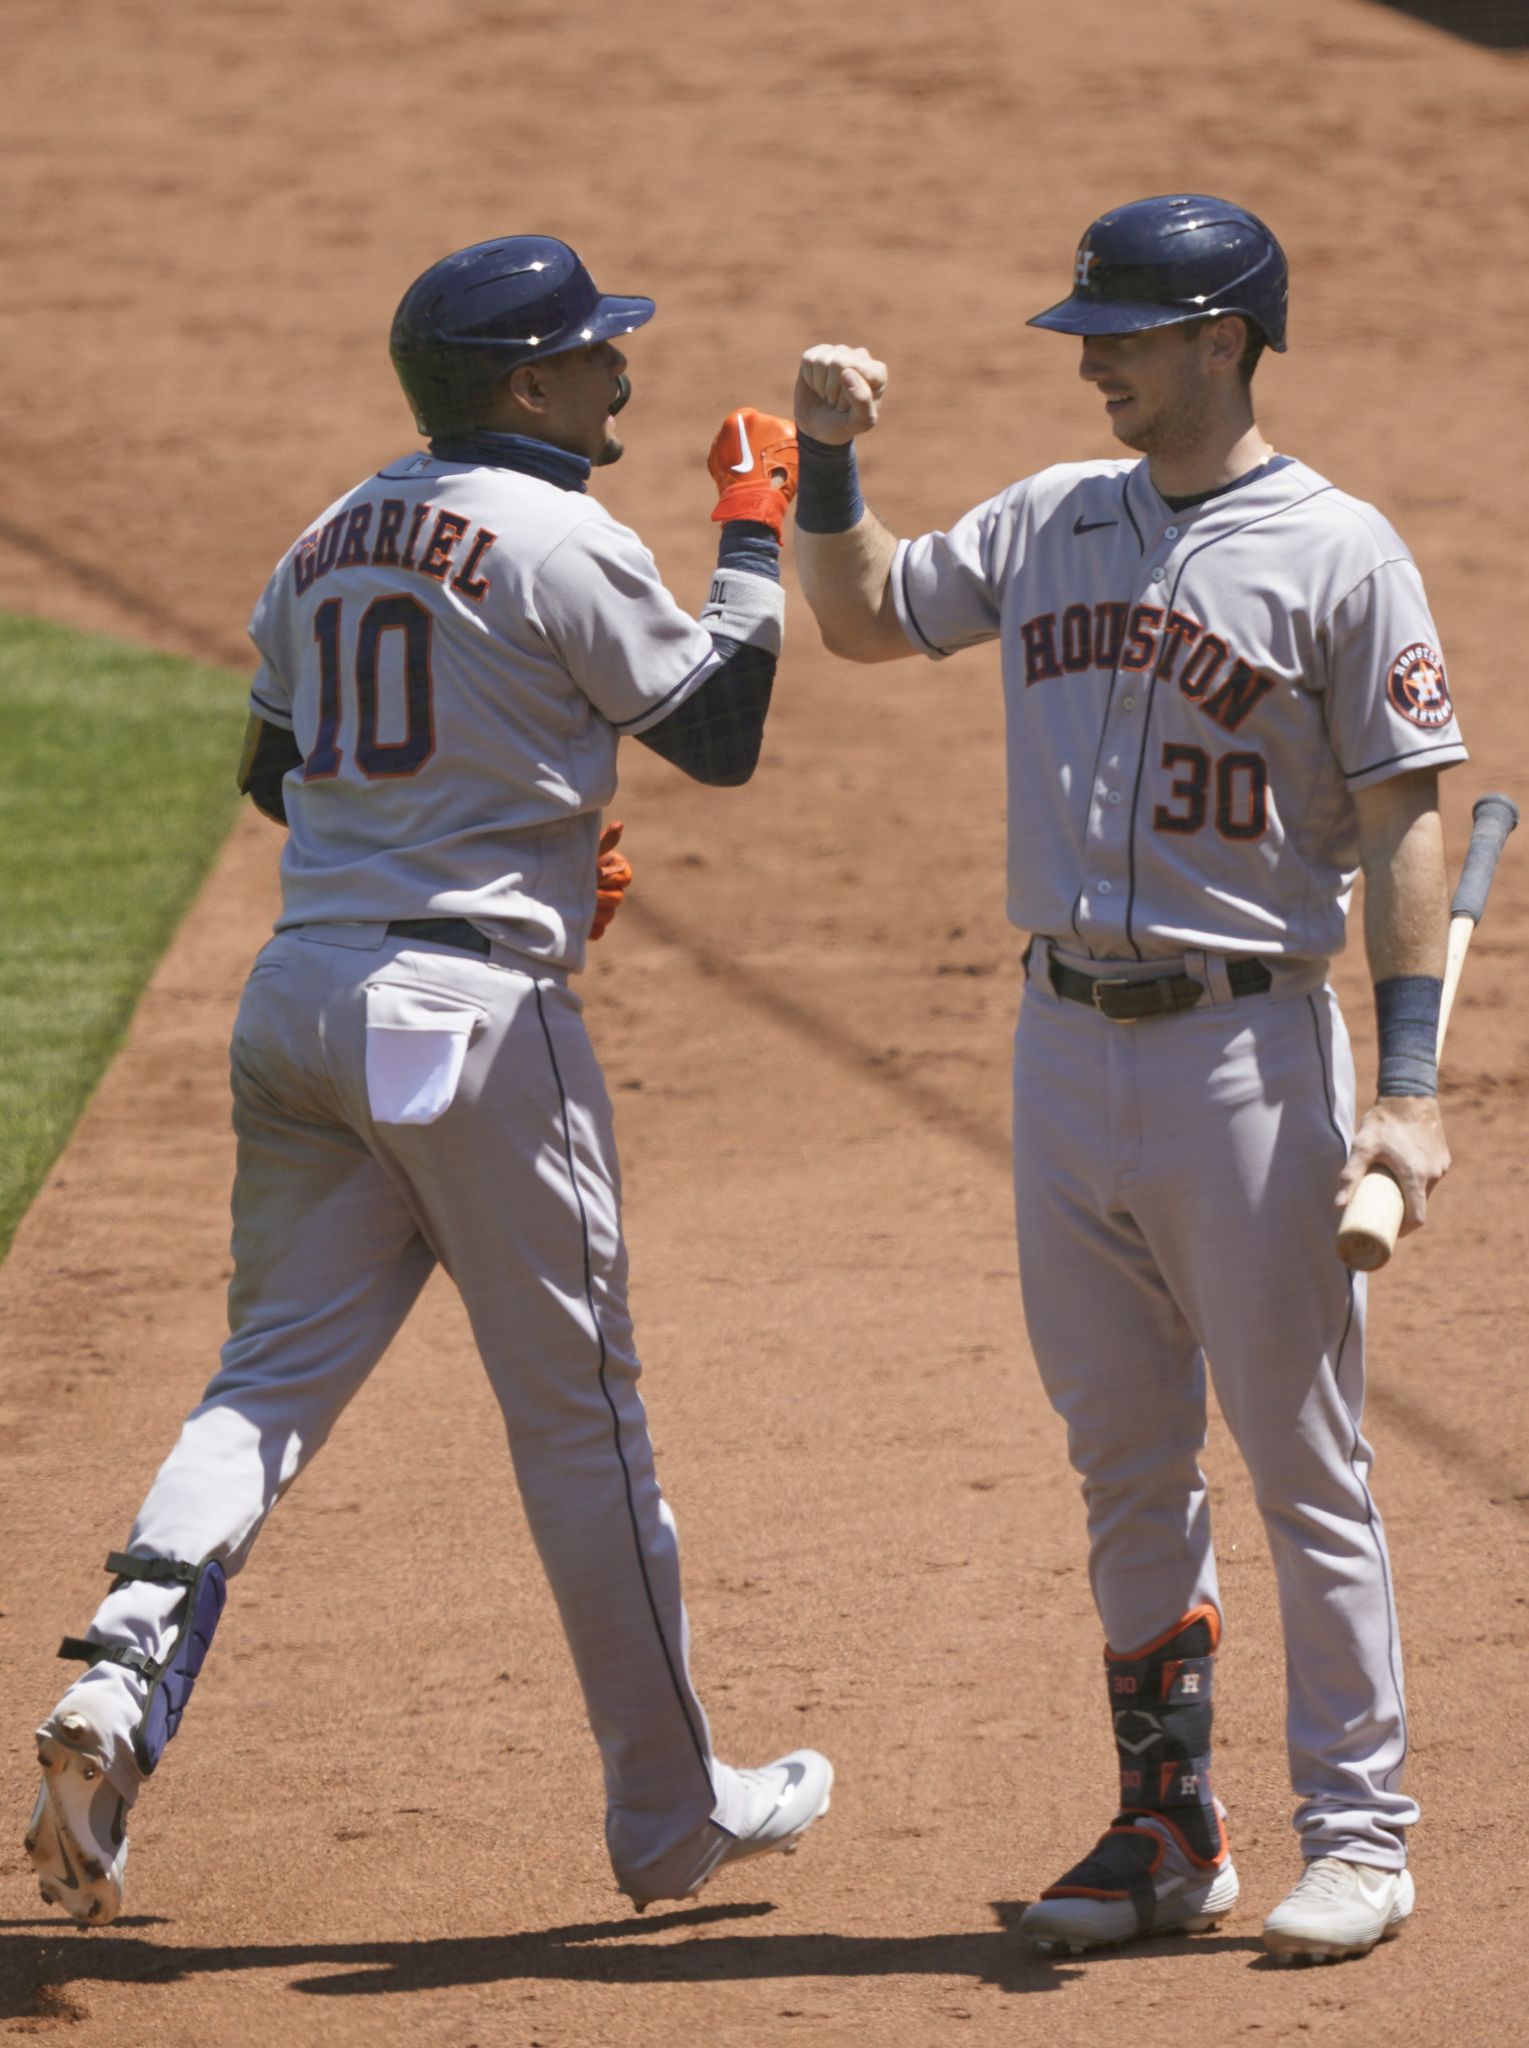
{"x": 1368, "y": 1231}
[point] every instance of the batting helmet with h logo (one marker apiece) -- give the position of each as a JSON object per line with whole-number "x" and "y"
{"x": 1160, "y": 262}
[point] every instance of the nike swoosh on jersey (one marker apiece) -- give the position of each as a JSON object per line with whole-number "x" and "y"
{"x": 1082, "y": 525}
{"x": 743, "y": 468}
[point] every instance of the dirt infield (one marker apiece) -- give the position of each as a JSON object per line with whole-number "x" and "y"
{"x": 384, "y": 1824}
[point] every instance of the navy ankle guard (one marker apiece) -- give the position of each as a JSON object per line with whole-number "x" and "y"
{"x": 1160, "y": 1700}
{"x": 170, "y": 1681}
{"x": 1160, "y": 1697}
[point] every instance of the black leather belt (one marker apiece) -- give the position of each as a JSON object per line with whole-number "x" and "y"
{"x": 442, "y": 931}
{"x": 1158, "y": 995}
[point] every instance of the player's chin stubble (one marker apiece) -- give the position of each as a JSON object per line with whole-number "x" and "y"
{"x": 1175, "y": 427}
{"x": 1169, "y": 431}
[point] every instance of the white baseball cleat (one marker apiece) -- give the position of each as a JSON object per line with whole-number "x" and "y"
{"x": 1170, "y": 1893}
{"x": 784, "y": 1799}
{"x": 77, "y": 1838}
{"x": 1339, "y": 1909}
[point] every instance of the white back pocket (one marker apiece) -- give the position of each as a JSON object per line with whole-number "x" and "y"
{"x": 416, "y": 1046}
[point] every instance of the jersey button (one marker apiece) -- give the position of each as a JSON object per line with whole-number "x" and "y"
{"x": 1159, "y": 575}
{"x": 1113, "y": 797}
{"x": 1103, "y": 887}
{"x": 1170, "y": 533}
{"x": 1128, "y": 703}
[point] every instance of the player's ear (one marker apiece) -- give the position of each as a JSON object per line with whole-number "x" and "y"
{"x": 528, "y": 387}
{"x": 1228, "y": 339}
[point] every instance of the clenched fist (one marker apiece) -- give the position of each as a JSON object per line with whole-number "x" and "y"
{"x": 838, "y": 392}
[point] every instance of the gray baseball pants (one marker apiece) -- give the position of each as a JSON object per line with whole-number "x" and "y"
{"x": 338, "y": 1220}
{"x": 1174, "y": 1184}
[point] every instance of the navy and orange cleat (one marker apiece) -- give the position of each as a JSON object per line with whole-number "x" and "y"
{"x": 1141, "y": 1879}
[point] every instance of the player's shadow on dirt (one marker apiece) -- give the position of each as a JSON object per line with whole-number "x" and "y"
{"x": 42, "y": 1961}
{"x": 1495, "y": 24}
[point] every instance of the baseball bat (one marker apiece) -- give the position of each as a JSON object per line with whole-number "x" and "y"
{"x": 1373, "y": 1214}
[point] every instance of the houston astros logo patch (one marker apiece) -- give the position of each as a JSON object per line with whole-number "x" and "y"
{"x": 1417, "y": 686}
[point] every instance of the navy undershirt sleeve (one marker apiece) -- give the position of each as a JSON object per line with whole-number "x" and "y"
{"x": 275, "y": 756}
{"x": 716, "y": 734}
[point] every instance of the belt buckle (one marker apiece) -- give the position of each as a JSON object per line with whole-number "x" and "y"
{"x": 1103, "y": 982}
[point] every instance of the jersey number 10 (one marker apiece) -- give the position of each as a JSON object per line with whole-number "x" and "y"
{"x": 375, "y": 757}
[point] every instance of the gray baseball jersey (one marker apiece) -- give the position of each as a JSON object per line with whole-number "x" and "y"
{"x": 479, "y": 640}
{"x": 1192, "y": 696}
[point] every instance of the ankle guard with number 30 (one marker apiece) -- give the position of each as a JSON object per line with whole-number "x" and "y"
{"x": 1160, "y": 1700}
{"x": 171, "y": 1679}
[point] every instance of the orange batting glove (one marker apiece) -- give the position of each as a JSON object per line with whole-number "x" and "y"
{"x": 753, "y": 462}
{"x": 613, "y": 877}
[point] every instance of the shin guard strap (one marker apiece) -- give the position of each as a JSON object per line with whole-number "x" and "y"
{"x": 171, "y": 1678}
{"x": 80, "y": 1650}
{"x": 1122, "y": 1865}
{"x": 155, "y": 1571}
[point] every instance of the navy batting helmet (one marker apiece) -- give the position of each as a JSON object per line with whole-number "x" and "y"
{"x": 1159, "y": 262}
{"x": 480, "y": 313}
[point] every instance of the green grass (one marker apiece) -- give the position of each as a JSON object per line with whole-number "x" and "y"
{"x": 116, "y": 791}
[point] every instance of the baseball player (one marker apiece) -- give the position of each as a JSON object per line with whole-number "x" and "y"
{"x": 448, "y": 658}
{"x": 1224, "y": 697}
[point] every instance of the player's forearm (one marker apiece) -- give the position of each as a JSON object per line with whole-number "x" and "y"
{"x": 1406, "y": 921}
{"x": 1406, "y": 883}
{"x": 846, "y": 578}
{"x": 715, "y": 735}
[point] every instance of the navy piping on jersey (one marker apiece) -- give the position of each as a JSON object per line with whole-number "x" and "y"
{"x": 1104, "y": 723}
{"x": 1371, "y": 1518}
{"x": 626, "y": 1476}
{"x": 908, "y": 607}
{"x": 1411, "y": 754}
{"x": 1126, "y": 506}
{"x": 712, "y": 659}
{"x": 272, "y": 711}
{"x": 1210, "y": 541}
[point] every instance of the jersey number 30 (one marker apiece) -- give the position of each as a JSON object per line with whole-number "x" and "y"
{"x": 1241, "y": 792}
{"x": 375, "y": 757}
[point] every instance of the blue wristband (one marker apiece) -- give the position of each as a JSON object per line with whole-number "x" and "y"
{"x": 1407, "y": 1025}
{"x": 828, "y": 496}
{"x": 748, "y": 544}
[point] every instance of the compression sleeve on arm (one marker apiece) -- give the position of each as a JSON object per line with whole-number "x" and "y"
{"x": 270, "y": 753}
{"x": 715, "y": 734}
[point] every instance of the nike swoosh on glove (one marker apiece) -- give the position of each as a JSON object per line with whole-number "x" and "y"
{"x": 753, "y": 462}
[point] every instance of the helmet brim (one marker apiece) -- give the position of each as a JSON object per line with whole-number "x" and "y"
{"x": 611, "y": 318}
{"x": 1077, "y": 315}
